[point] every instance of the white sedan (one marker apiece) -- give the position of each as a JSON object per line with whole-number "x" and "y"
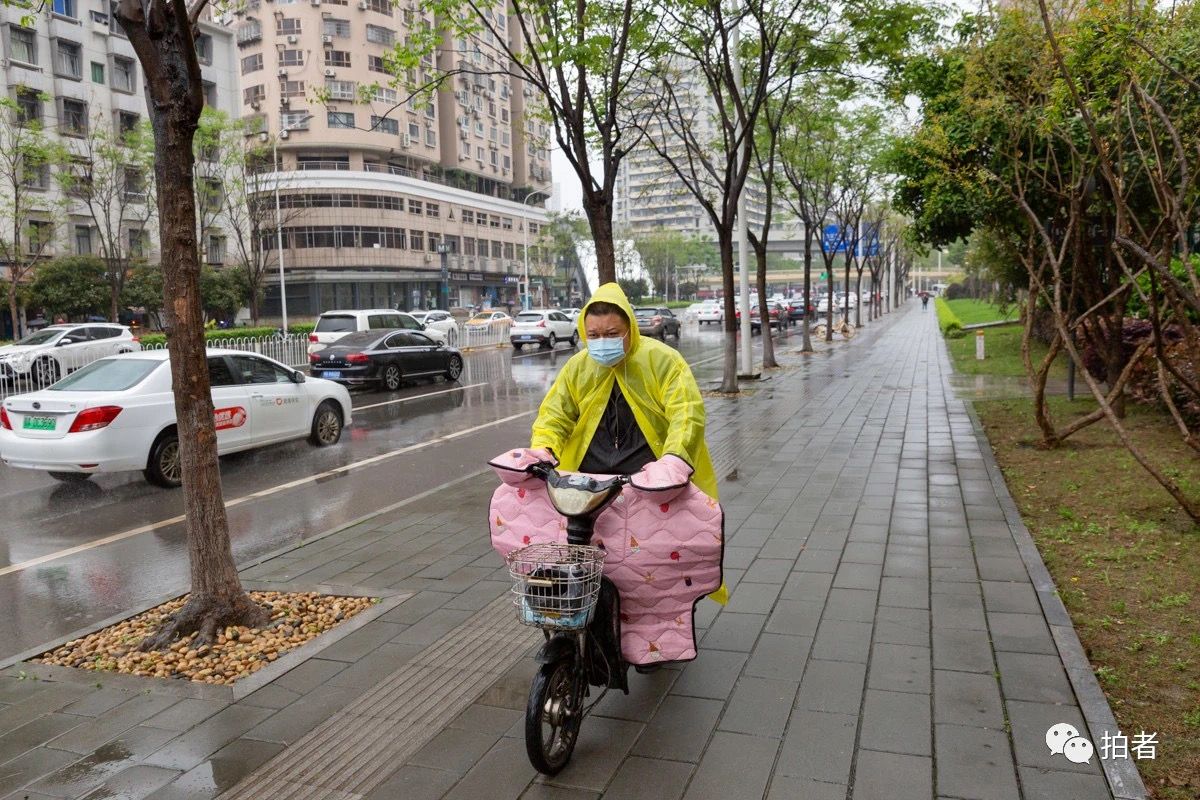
{"x": 710, "y": 312}
{"x": 118, "y": 414}
{"x": 443, "y": 326}
{"x": 545, "y": 327}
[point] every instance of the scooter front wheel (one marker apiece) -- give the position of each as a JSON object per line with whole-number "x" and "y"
{"x": 553, "y": 715}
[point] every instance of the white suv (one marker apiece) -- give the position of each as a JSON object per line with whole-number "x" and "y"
{"x": 546, "y": 327}
{"x": 333, "y": 325}
{"x": 441, "y": 321}
{"x": 56, "y": 350}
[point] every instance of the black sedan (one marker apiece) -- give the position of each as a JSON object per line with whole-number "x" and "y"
{"x": 386, "y": 357}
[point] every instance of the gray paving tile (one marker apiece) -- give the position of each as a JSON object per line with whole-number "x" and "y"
{"x": 839, "y": 640}
{"x": 896, "y": 722}
{"x": 603, "y": 744}
{"x": 31, "y": 765}
{"x": 779, "y": 657}
{"x": 753, "y": 598}
{"x": 765, "y": 570}
{"x": 1021, "y": 633}
{"x": 833, "y": 686}
{"x": 975, "y": 763}
{"x": 818, "y": 747}
{"x": 94, "y": 732}
{"x": 1040, "y": 784}
{"x": 785, "y": 788}
{"x": 900, "y": 668}
{"x": 901, "y": 625}
{"x": 962, "y": 649}
{"x": 854, "y": 605}
{"x": 547, "y": 791}
{"x": 287, "y": 725}
{"x": 1030, "y": 721}
{"x": 197, "y": 744}
{"x": 133, "y": 783}
{"x": 646, "y": 693}
{"x": 489, "y": 719}
{"x": 759, "y": 706}
{"x": 639, "y": 778}
{"x": 36, "y": 732}
{"x": 1034, "y": 677}
{"x": 734, "y": 765}
{"x": 411, "y": 782}
{"x": 967, "y": 698}
{"x": 733, "y": 632}
{"x": 186, "y": 714}
{"x": 904, "y": 592}
{"x": 887, "y": 776}
{"x": 958, "y": 611}
{"x": 680, "y": 729}
{"x": 1009, "y": 597}
{"x": 857, "y": 576}
{"x": 455, "y": 749}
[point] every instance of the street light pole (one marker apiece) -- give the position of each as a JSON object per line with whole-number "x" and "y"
{"x": 525, "y": 248}
{"x": 279, "y": 217}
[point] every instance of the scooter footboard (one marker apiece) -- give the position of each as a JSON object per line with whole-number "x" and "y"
{"x": 662, "y": 558}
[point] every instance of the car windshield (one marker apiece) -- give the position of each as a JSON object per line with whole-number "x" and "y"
{"x": 360, "y": 338}
{"x": 42, "y": 337}
{"x": 645, "y": 312}
{"x": 108, "y": 375}
{"x": 419, "y": 316}
{"x": 529, "y": 317}
{"x": 338, "y": 323}
{"x": 484, "y": 317}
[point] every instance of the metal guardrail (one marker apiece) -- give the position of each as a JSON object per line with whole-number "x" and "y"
{"x": 290, "y": 349}
{"x": 41, "y": 368}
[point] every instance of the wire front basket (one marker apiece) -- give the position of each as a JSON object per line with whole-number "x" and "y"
{"x": 555, "y": 585}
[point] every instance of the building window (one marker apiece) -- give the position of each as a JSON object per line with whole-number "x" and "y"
{"x": 83, "y": 240}
{"x": 379, "y": 35}
{"x": 294, "y": 120}
{"x": 497, "y": 249}
{"x": 135, "y": 183}
{"x": 507, "y": 163}
{"x": 376, "y": 64}
{"x": 336, "y": 27}
{"x": 430, "y": 137}
{"x": 22, "y": 44}
{"x": 250, "y": 32}
{"x": 433, "y": 210}
{"x": 291, "y": 58}
{"x": 414, "y": 130}
{"x": 252, "y": 63}
{"x": 337, "y": 58}
{"x": 73, "y": 121}
{"x": 127, "y": 122}
{"x": 340, "y": 90}
{"x": 508, "y": 250}
{"x": 35, "y": 174}
{"x": 416, "y": 240}
{"x": 384, "y": 95}
{"x": 123, "y": 74}
{"x": 254, "y": 94}
{"x": 382, "y": 6}
{"x": 385, "y": 125}
{"x": 468, "y": 217}
{"x": 204, "y": 49}
{"x": 68, "y": 60}
{"x": 416, "y": 207}
{"x": 287, "y": 25}
{"x": 137, "y": 243}
{"x": 97, "y": 72}
{"x": 29, "y": 105}
{"x": 291, "y": 88}
{"x": 38, "y": 236}
{"x": 216, "y": 249}
{"x": 340, "y": 119}
{"x": 468, "y": 246}
{"x": 65, "y": 8}
{"x": 210, "y": 93}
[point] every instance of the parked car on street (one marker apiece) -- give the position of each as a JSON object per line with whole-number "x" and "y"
{"x": 333, "y": 325}
{"x": 118, "y": 414}
{"x": 710, "y": 312}
{"x": 387, "y": 358}
{"x": 440, "y": 321}
{"x": 798, "y": 309}
{"x": 657, "y": 321}
{"x": 43, "y": 357}
{"x": 486, "y": 327}
{"x": 545, "y": 327}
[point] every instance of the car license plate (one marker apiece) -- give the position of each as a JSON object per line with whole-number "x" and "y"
{"x": 526, "y": 338}
{"x": 331, "y": 373}
{"x": 39, "y": 423}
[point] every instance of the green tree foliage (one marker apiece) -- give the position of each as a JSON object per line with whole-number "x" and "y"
{"x": 144, "y": 288}
{"x": 223, "y": 292}
{"x": 73, "y": 287}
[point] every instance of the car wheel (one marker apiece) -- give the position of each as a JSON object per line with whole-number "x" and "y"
{"x": 551, "y": 341}
{"x": 452, "y": 336}
{"x": 517, "y": 345}
{"x": 45, "y": 371}
{"x": 71, "y": 477}
{"x": 163, "y": 467}
{"x": 454, "y": 368}
{"x": 662, "y": 333}
{"x": 326, "y": 425}
{"x": 575, "y": 339}
{"x": 678, "y": 329}
{"x": 391, "y": 377}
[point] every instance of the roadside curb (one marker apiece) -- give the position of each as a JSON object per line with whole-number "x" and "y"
{"x": 1122, "y": 775}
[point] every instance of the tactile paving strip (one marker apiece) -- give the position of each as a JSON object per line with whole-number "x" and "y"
{"x": 356, "y": 749}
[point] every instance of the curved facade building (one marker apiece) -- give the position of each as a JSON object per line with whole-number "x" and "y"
{"x": 385, "y": 201}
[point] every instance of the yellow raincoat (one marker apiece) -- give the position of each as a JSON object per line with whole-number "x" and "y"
{"x": 659, "y": 387}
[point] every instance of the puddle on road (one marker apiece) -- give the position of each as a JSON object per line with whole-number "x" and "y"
{"x": 999, "y": 387}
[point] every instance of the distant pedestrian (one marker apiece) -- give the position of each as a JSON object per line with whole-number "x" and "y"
{"x": 924, "y": 301}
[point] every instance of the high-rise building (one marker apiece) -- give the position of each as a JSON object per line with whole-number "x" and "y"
{"x": 69, "y": 67}
{"x": 381, "y": 192}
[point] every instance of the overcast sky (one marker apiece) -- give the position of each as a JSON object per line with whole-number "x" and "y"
{"x": 566, "y": 182}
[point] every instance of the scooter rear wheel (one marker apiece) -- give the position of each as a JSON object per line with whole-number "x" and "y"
{"x": 553, "y": 715}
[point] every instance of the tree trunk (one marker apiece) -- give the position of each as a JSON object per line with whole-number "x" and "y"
{"x": 115, "y": 301}
{"x": 829, "y": 290}
{"x": 846, "y": 289}
{"x": 599, "y": 217}
{"x": 164, "y": 45}
{"x": 12, "y": 309}
{"x": 729, "y": 371}
{"x": 806, "y": 345}
{"x": 760, "y": 254}
{"x": 858, "y": 300}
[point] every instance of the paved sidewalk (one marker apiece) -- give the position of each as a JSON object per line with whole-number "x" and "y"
{"x": 885, "y": 639}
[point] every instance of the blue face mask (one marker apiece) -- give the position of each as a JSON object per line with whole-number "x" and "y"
{"x": 607, "y": 352}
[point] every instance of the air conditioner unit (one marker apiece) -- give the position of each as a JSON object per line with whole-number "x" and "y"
{"x": 283, "y": 134}
{"x": 327, "y": 40}
{"x": 407, "y": 140}
{"x": 465, "y": 134}
{"x": 316, "y": 3}
{"x": 330, "y": 72}
{"x": 282, "y": 72}
{"x": 285, "y": 101}
{"x": 527, "y": 92}
{"x": 363, "y": 5}
{"x": 291, "y": 39}
{"x": 428, "y": 258}
{"x": 255, "y": 105}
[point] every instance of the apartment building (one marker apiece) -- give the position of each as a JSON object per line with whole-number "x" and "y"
{"x": 387, "y": 199}
{"x": 69, "y": 66}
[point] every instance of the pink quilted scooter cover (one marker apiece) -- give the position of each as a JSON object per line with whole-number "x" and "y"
{"x": 662, "y": 556}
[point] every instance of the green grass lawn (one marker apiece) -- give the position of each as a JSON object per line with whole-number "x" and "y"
{"x": 1002, "y": 346}
{"x": 972, "y": 312}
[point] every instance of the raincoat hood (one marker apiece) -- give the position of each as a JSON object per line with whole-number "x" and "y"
{"x": 614, "y": 294}
{"x": 656, "y": 382}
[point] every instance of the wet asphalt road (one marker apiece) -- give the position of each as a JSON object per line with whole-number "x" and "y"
{"x": 103, "y": 547}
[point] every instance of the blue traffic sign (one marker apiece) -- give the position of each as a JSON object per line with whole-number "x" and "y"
{"x": 833, "y": 239}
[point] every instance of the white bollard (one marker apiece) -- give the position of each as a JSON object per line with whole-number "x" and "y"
{"x": 979, "y": 355}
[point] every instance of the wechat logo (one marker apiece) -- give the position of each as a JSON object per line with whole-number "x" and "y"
{"x": 1064, "y": 739}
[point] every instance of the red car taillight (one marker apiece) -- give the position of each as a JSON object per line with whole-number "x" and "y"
{"x": 312, "y": 337}
{"x": 313, "y": 358}
{"x": 656, "y": 321}
{"x": 137, "y": 339}
{"x": 358, "y": 358}
{"x": 93, "y": 419}
{"x": 4, "y": 421}
{"x": 541, "y": 323}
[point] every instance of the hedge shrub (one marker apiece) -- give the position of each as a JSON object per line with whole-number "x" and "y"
{"x": 952, "y": 327}
{"x": 217, "y": 335}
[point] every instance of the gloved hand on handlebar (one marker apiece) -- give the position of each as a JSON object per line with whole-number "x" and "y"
{"x": 668, "y": 474}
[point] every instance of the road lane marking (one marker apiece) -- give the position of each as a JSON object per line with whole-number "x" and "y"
{"x": 410, "y": 398}
{"x": 117, "y": 537}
